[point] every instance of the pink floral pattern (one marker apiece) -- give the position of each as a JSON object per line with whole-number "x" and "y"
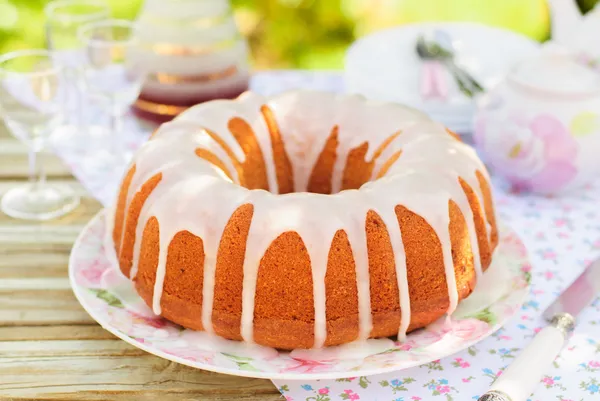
{"x": 112, "y": 301}
{"x": 534, "y": 153}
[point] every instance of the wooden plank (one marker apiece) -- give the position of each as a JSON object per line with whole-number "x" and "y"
{"x": 63, "y": 230}
{"x": 10, "y": 234}
{"x": 34, "y": 285}
{"x": 32, "y": 333}
{"x": 10, "y": 248}
{"x": 4, "y": 134}
{"x": 26, "y": 263}
{"x": 41, "y": 307}
{"x": 96, "y": 374}
{"x": 14, "y": 163}
{"x": 40, "y": 284}
{"x": 67, "y": 348}
{"x": 76, "y": 185}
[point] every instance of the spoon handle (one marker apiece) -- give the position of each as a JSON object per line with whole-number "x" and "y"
{"x": 466, "y": 82}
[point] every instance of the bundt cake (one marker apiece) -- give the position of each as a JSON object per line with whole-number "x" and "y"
{"x": 304, "y": 220}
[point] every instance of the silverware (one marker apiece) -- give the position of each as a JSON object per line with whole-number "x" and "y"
{"x": 439, "y": 48}
{"x": 521, "y": 377}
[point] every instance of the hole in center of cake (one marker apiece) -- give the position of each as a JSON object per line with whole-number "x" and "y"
{"x": 336, "y": 170}
{"x": 336, "y": 167}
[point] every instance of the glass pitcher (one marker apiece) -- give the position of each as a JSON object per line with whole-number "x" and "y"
{"x": 194, "y": 52}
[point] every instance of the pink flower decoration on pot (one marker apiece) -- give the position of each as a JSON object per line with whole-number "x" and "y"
{"x": 533, "y": 154}
{"x": 560, "y": 150}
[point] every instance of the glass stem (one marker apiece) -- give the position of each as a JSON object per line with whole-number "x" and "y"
{"x": 37, "y": 173}
{"x": 76, "y": 94}
{"x": 116, "y": 126}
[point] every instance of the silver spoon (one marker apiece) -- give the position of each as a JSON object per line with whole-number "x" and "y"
{"x": 432, "y": 49}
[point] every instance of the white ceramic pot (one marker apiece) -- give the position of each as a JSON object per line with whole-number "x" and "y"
{"x": 540, "y": 128}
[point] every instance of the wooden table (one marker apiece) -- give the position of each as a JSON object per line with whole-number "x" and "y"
{"x": 50, "y": 349}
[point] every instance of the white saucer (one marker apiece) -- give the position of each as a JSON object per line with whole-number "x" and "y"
{"x": 385, "y": 66}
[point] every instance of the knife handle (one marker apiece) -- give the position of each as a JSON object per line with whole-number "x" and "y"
{"x": 522, "y": 376}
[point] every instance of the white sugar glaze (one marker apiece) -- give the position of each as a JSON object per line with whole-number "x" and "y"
{"x": 196, "y": 196}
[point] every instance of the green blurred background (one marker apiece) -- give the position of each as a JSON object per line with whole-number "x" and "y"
{"x": 309, "y": 33}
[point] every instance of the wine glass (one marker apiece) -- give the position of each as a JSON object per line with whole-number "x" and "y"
{"x": 114, "y": 70}
{"x": 32, "y": 94}
{"x": 63, "y": 19}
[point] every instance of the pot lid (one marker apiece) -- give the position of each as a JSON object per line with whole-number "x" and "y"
{"x": 556, "y": 69}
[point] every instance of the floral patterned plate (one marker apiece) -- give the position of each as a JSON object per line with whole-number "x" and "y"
{"x": 111, "y": 300}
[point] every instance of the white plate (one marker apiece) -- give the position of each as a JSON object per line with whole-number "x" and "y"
{"x": 385, "y": 66}
{"x": 112, "y": 301}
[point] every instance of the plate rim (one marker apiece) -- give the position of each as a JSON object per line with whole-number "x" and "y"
{"x": 78, "y": 290}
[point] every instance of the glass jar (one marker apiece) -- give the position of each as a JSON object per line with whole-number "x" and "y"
{"x": 194, "y": 52}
